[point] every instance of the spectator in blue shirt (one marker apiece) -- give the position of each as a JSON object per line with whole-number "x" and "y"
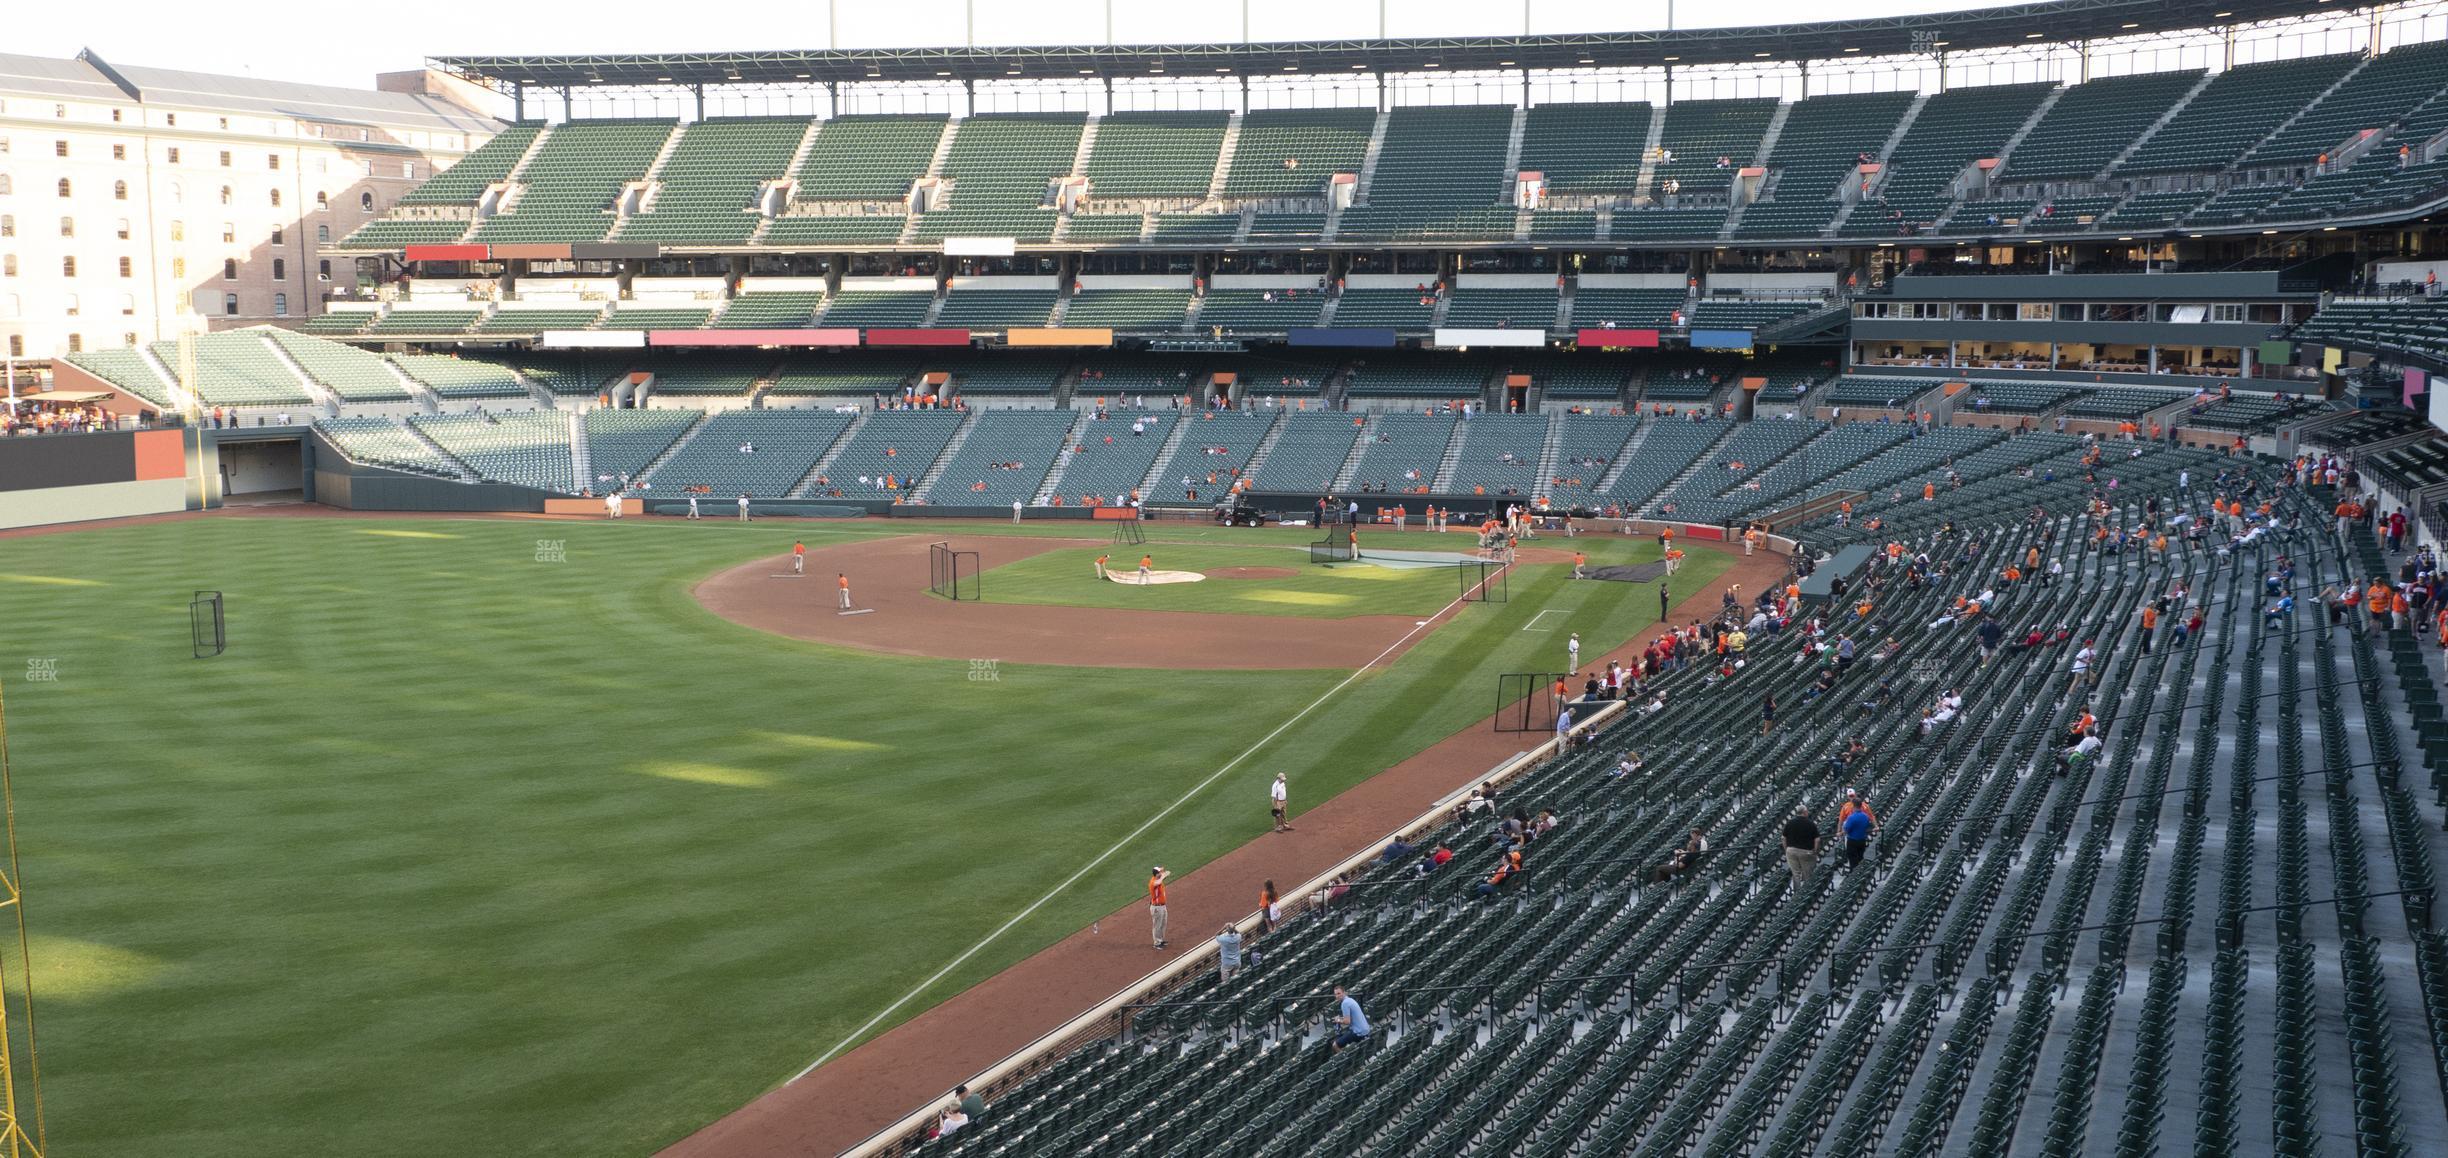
{"x": 1228, "y": 954}
{"x": 1857, "y": 828}
{"x": 1355, "y": 1026}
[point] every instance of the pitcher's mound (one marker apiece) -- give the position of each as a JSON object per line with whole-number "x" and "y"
{"x": 1253, "y": 573}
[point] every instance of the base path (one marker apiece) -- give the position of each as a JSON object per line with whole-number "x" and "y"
{"x": 890, "y": 575}
{"x": 849, "y": 1098}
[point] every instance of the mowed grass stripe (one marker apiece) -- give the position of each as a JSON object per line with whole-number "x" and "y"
{"x": 457, "y": 849}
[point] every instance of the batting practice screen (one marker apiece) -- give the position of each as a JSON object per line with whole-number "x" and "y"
{"x": 953, "y": 574}
{"x": 1526, "y": 701}
{"x": 1483, "y": 581}
{"x": 205, "y": 624}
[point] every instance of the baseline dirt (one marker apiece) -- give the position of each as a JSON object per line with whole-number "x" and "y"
{"x": 890, "y": 575}
{"x": 860, "y": 1092}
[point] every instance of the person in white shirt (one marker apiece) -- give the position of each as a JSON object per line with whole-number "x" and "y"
{"x": 1572, "y": 649}
{"x": 693, "y": 506}
{"x": 1279, "y": 795}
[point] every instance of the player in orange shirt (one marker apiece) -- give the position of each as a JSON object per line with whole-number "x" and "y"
{"x": 1145, "y": 563}
{"x": 843, "y": 581}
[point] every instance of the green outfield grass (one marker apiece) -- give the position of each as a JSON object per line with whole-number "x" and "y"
{"x": 464, "y": 849}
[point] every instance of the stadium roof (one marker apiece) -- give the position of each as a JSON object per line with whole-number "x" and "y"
{"x": 88, "y": 77}
{"x": 2000, "y": 27}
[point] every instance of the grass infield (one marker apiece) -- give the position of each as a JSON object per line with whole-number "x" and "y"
{"x": 485, "y": 836}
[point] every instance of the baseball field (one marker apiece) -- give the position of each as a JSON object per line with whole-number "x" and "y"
{"x": 527, "y": 837}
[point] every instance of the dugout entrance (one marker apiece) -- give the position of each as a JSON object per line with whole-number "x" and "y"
{"x": 953, "y": 574}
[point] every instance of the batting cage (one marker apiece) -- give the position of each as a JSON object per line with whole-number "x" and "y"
{"x": 205, "y": 625}
{"x": 1483, "y": 581}
{"x": 1336, "y": 547}
{"x": 953, "y": 574}
{"x": 1526, "y": 701}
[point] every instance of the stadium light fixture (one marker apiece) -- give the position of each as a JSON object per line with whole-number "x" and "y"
{"x": 2268, "y": 232}
{"x": 2031, "y": 36}
{"x": 1588, "y": 60}
{"x": 2221, "y": 15}
{"x": 1672, "y": 59}
{"x": 1504, "y": 64}
{"x": 943, "y": 72}
{"x": 2129, "y": 26}
{"x": 1852, "y": 50}
{"x": 1759, "y": 54}
{"x": 800, "y": 75}
{"x": 662, "y": 80}
{"x": 2328, "y": 229}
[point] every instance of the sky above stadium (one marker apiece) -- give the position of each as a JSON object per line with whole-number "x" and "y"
{"x": 341, "y": 45}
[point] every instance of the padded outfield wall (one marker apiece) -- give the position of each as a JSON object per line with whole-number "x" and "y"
{"x": 74, "y": 478}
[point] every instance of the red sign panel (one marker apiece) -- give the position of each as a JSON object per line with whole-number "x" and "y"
{"x": 917, "y": 337}
{"x": 1618, "y": 339}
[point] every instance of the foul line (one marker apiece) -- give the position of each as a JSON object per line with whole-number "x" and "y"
{"x": 1533, "y": 624}
{"x": 1119, "y": 845}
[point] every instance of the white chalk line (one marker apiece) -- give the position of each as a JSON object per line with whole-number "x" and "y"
{"x": 1533, "y": 624}
{"x": 1119, "y": 845}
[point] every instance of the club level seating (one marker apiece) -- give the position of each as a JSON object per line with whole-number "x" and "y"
{"x": 760, "y": 453}
{"x": 1425, "y": 377}
{"x": 1004, "y": 460}
{"x": 557, "y": 374}
{"x": 1680, "y": 386}
{"x": 1458, "y": 222}
{"x": 420, "y": 322}
{"x": 458, "y": 378}
{"x": 2243, "y": 413}
{"x": 1104, "y": 376}
{"x": 2235, "y": 204}
{"x": 2019, "y": 397}
{"x": 1218, "y": 442}
{"x": 1564, "y": 225}
{"x": 1661, "y": 224}
{"x": 1522, "y": 309}
{"x": 1738, "y": 313}
{"x": 337, "y": 324}
{"x": 1287, "y": 226}
{"x": 1399, "y": 308}
{"x": 1439, "y": 159}
{"x": 236, "y": 368}
{"x": 2119, "y": 403}
{"x": 1129, "y": 309}
{"x": 1400, "y": 451}
{"x": 1594, "y": 307}
{"x": 349, "y": 373}
{"x": 1590, "y": 377}
{"x": 867, "y": 158}
{"x": 126, "y": 369}
{"x": 2324, "y": 194}
{"x": 898, "y": 443}
{"x": 2067, "y": 214}
{"x": 2148, "y": 211}
{"x": 887, "y": 308}
{"x": 536, "y": 321}
{"x": 2093, "y": 122}
{"x": 400, "y": 232}
{"x": 1500, "y": 455}
{"x": 2417, "y": 325}
{"x": 1022, "y": 223}
{"x": 1292, "y": 152}
{"x": 2400, "y": 79}
{"x": 2368, "y": 427}
{"x": 1104, "y": 226}
{"x": 1155, "y": 154}
{"x": 1190, "y": 228}
{"x": 1990, "y": 216}
{"x": 570, "y": 182}
{"x": 1878, "y": 393}
{"x": 848, "y": 229}
{"x": 858, "y": 373}
{"x": 1260, "y": 311}
{"x": 2237, "y": 108}
{"x": 708, "y": 184}
{"x": 656, "y": 318}
{"x": 620, "y": 443}
{"x": 1005, "y": 374}
{"x": 771, "y": 310}
{"x": 709, "y": 374}
{"x": 1699, "y": 134}
{"x": 1113, "y": 455}
{"x": 1309, "y": 452}
{"x": 996, "y": 309}
{"x": 1586, "y": 147}
{"x": 384, "y": 442}
{"x": 1824, "y": 140}
{"x": 464, "y": 182}
{"x": 523, "y": 448}
{"x": 1589, "y": 447}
